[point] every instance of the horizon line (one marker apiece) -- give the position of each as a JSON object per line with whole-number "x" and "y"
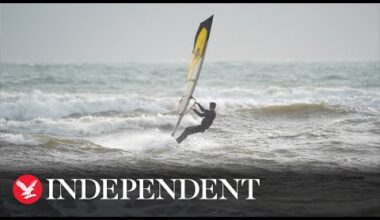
{"x": 183, "y": 61}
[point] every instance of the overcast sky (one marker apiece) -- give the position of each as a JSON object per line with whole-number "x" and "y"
{"x": 35, "y": 33}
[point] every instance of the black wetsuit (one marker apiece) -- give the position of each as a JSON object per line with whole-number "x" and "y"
{"x": 209, "y": 117}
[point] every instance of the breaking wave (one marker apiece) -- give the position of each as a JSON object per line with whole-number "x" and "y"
{"x": 24, "y": 106}
{"x": 91, "y": 125}
{"x": 37, "y": 104}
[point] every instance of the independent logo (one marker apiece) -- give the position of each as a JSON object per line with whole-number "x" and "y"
{"x": 27, "y": 189}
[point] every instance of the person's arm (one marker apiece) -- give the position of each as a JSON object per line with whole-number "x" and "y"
{"x": 198, "y": 113}
{"x": 201, "y": 107}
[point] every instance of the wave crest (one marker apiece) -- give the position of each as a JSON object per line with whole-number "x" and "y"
{"x": 26, "y": 106}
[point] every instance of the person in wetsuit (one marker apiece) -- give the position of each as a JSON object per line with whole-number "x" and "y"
{"x": 209, "y": 116}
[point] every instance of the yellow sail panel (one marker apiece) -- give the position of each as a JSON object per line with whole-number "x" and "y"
{"x": 199, "y": 48}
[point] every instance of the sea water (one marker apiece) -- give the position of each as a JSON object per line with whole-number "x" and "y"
{"x": 273, "y": 116}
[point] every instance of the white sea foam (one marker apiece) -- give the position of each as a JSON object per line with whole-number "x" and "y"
{"x": 23, "y": 106}
{"x": 137, "y": 141}
{"x": 19, "y": 139}
{"x": 26, "y": 106}
{"x": 91, "y": 125}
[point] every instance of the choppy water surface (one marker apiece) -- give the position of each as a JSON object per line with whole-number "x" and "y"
{"x": 271, "y": 116}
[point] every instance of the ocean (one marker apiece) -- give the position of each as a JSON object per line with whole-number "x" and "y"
{"x": 287, "y": 117}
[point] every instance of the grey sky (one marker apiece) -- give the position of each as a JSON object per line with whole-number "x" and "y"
{"x": 165, "y": 32}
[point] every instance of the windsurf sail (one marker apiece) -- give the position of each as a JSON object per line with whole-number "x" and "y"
{"x": 197, "y": 58}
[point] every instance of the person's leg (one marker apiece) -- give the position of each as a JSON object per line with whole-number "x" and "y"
{"x": 184, "y": 134}
{"x": 189, "y": 131}
{"x": 196, "y": 129}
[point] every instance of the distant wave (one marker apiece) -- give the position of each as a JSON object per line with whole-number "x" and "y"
{"x": 38, "y": 104}
{"x": 26, "y": 106}
{"x": 296, "y": 108}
